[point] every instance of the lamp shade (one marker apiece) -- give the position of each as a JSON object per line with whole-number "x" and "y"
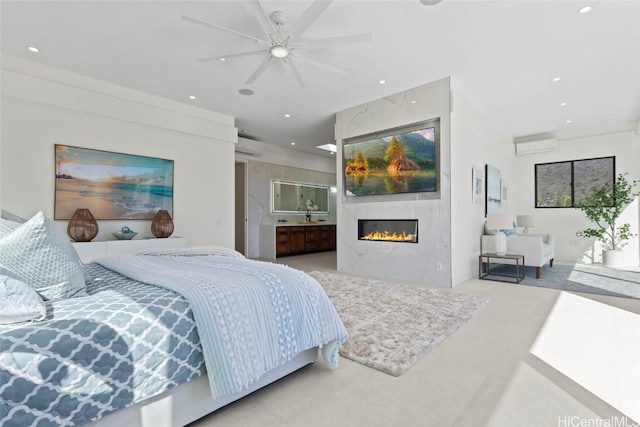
{"x": 526, "y": 221}
{"x": 499, "y": 221}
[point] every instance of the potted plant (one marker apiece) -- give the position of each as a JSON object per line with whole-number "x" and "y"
{"x": 603, "y": 208}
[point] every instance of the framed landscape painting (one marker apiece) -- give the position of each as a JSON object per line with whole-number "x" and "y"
{"x": 393, "y": 161}
{"x": 111, "y": 185}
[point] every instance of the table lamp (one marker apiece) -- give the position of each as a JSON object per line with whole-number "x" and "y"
{"x": 525, "y": 221}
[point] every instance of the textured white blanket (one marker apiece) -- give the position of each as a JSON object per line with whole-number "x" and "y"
{"x": 251, "y": 316}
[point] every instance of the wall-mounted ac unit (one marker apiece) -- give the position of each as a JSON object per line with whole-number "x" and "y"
{"x": 536, "y": 147}
{"x": 249, "y": 146}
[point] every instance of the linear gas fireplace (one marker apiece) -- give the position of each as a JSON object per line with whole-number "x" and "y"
{"x": 388, "y": 230}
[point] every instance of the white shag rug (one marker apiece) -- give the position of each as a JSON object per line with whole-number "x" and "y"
{"x": 393, "y": 325}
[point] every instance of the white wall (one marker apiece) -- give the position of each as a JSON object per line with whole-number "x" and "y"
{"x": 563, "y": 223}
{"x": 476, "y": 140}
{"x": 43, "y": 106}
{"x": 412, "y": 262}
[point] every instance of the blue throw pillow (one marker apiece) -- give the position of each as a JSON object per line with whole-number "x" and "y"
{"x": 511, "y": 231}
{"x": 506, "y": 231}
{"x": 12, "y": 217}
{"x": 41, "y": 253}
{"x": 487, "y": 231}
{"x": 7, "y": 226}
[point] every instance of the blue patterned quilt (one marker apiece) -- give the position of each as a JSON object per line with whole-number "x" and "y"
{"x": 128, "y": 341}
{"x": 123, "y": 343}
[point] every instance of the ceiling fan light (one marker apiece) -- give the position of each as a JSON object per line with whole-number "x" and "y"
{"x": 279, "y": 51}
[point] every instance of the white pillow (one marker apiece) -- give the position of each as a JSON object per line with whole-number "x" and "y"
{"x": 19, "y": 302}
{"x": 43, "y": 256}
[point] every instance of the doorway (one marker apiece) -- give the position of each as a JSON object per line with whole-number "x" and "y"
{"x": 241, "y": 207}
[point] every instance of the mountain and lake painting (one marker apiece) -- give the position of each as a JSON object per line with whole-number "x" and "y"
{"x": 399, "y": 163}
{"x": 111, "y": 185}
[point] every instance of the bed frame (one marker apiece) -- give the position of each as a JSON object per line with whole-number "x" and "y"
{"x": 192, "y": 400}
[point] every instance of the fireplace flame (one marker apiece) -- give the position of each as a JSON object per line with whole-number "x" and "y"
{"x": 385, "y": 235}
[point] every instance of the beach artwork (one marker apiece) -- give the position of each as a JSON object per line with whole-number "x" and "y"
{"x": 111, "y": 185}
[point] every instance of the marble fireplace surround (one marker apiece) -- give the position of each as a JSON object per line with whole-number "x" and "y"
{"x": 429, "y": 260}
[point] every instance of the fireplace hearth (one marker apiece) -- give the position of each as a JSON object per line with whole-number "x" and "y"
{"x": 388, "y": 230}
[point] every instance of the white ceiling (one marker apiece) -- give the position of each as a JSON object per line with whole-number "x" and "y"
{"x": 503, "y": 53}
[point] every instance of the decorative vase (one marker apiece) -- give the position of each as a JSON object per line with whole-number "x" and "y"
{"x": 162, "y": 225}
{"x": 613, "y": 258}
{"x": 82, "y": 226}
{"x": 125, "y": 234}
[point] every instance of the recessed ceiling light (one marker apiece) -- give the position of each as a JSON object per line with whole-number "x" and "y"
{"x": 33, "y": 49}
{"x": 192, "y": 97}
{"x": 563, "y": 104}
{"x": 382, "y": 82}
{"x": 293, "y": 143}
{"x": 556, "y": 79}
{"x": 287, "y": 115}
{"x": 584, "y": 9}
{"x": 413, "y": 102}
{"x": 223, "y": 59}
{"x": 569, "y": 121}
{"x": 245, "y": 92}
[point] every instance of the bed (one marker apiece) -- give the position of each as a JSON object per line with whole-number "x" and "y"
{"x": 156, "y": 339}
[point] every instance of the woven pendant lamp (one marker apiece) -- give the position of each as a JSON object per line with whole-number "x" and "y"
{"x": 162, "y": 224}
{"x": 82, "y": 226}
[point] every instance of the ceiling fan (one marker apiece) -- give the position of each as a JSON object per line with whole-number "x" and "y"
{"x": 282, "y": 43}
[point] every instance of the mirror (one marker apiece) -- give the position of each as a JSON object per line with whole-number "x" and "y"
{"x": 291, "y": 197}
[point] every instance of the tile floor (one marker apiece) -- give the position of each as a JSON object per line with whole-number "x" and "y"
{"x": 485, "y": 374}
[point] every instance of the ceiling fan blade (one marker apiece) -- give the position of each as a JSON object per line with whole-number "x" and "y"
{"x": 219, "y": 27}
{"x": 264, "y": 21}
{"x": 307, "y": 18}
{"x": 315, "y": 60}
{"x": 261, "y": 69}
{"x": 233, "y": 55}
{"x": 293, "y": 70}
{"x": 334, "y": 41}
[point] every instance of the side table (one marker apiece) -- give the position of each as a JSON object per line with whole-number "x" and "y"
{"x": 485, "y": 271}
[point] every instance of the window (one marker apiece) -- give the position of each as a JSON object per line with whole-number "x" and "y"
{"x": 565, "y": 184}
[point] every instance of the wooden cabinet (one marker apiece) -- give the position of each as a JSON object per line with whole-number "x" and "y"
{"x": 327, "y": 237}
{"x": 297, "y": 242}
{"x": 282, "y": 240}
{"x": 311, "y": 238}
{"x": 276, "y": 241}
